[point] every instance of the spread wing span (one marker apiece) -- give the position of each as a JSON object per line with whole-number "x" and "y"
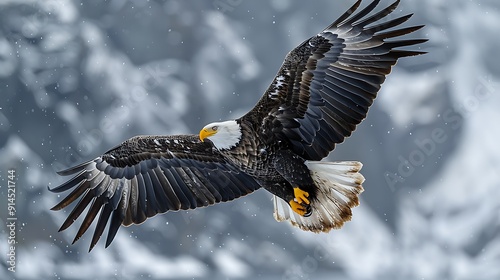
{"x": 326, "y": 85}
{"x": 147, "y": 175}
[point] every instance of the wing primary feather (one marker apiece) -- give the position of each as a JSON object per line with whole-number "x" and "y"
{"x": 337, "y": 75}
{"x": 225, "y": 188}
{"x": 332, "y": 92}
{"x": 361, "y": 13}
{"x": 309, "y": 153}
{"x": 373, "y": 79}
{"x": 133, "y": 209}
{"x": 210, "y": 187}
{"x": 75, "y": 169}
{"x": 185, "y": 203}
{"x": 384, "y": 49}
{"x": 383, "y": 67}
{"x": 89, "y": 218}
{"x": 398, "y": 32}
{"x": 117, "y": 195}
{"x": 116, "y": 221}
{"x": 327, "y": 138}
{"x": 82, "y": 175}
{"x": 336, "y": 121}
{"x": 191, "y": 197}
{"x": 309, "y": 128}
{"x": 77, "y": 211}
{"x": 373, "y": 29}
{"x": 235, "y": 185}
{"x": 76, "y": 193}
{"x": 103, "y": 186}
{"x": 128, "y": 216}
{"x": 118, "y": 215}
{"x": 201, "y": 192}
{"x": 240, "y": 180}
{"x": 162, "y": 201}
{"x": 402, "y": 53}
{"x": 357, "y": 95}
{"x": 403, "y": 43}
{"x": 97, "y": 180}
{"x": 330, "y": 133}
{"x": 101, "y": 225}
{"x": 191, "y": 186}
{"x": 345, "y": 15}
{"x": 141, "y": 189}
{"x": 150, "y": 192}
{"x": 345, "y": 108}
{"x": 383, "y": 13}
{"x": 174, "y": 202}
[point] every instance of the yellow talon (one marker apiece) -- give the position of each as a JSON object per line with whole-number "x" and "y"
{"x": 300, "y": 195}
{"x": 298, "y": 208}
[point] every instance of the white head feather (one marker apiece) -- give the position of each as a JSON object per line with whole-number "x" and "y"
{"x": 224, "y": 135}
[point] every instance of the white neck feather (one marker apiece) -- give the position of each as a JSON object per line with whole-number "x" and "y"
{"x": 228, "y": 134}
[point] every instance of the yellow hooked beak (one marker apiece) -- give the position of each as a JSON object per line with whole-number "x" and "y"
{"x": 207, "y": 132}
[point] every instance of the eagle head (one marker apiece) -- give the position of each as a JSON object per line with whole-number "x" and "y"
{"x": 224, "y": 135}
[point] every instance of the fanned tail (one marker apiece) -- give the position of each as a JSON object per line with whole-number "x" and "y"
{"x": 338, "y": 186}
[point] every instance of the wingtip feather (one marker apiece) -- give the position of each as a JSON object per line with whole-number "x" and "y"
{"x": 345, "y": 15}
{"x": 74, "y": 169}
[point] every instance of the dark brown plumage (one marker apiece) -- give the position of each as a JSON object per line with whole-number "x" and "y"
{"x": 321, "y": 93}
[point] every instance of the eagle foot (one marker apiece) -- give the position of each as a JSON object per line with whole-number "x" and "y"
{"x": 301, "y": 209}
{"x": 301, "y": 196}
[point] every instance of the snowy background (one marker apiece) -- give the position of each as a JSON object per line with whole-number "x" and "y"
{"x": 77, "y": 78}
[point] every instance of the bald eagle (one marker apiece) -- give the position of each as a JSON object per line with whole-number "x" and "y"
{"x": 320, "y": 94}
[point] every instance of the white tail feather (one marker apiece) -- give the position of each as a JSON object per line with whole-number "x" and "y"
{"x": 338, "y": 186}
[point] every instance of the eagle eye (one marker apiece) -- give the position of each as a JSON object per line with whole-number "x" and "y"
{"x": 214, "y": 128}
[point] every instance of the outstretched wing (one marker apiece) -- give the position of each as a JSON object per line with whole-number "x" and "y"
{"x": 327, "y": 84}
{"x": 147, "y": 175}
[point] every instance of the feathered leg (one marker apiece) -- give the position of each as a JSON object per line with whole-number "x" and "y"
{"x": 293, "y": 169}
